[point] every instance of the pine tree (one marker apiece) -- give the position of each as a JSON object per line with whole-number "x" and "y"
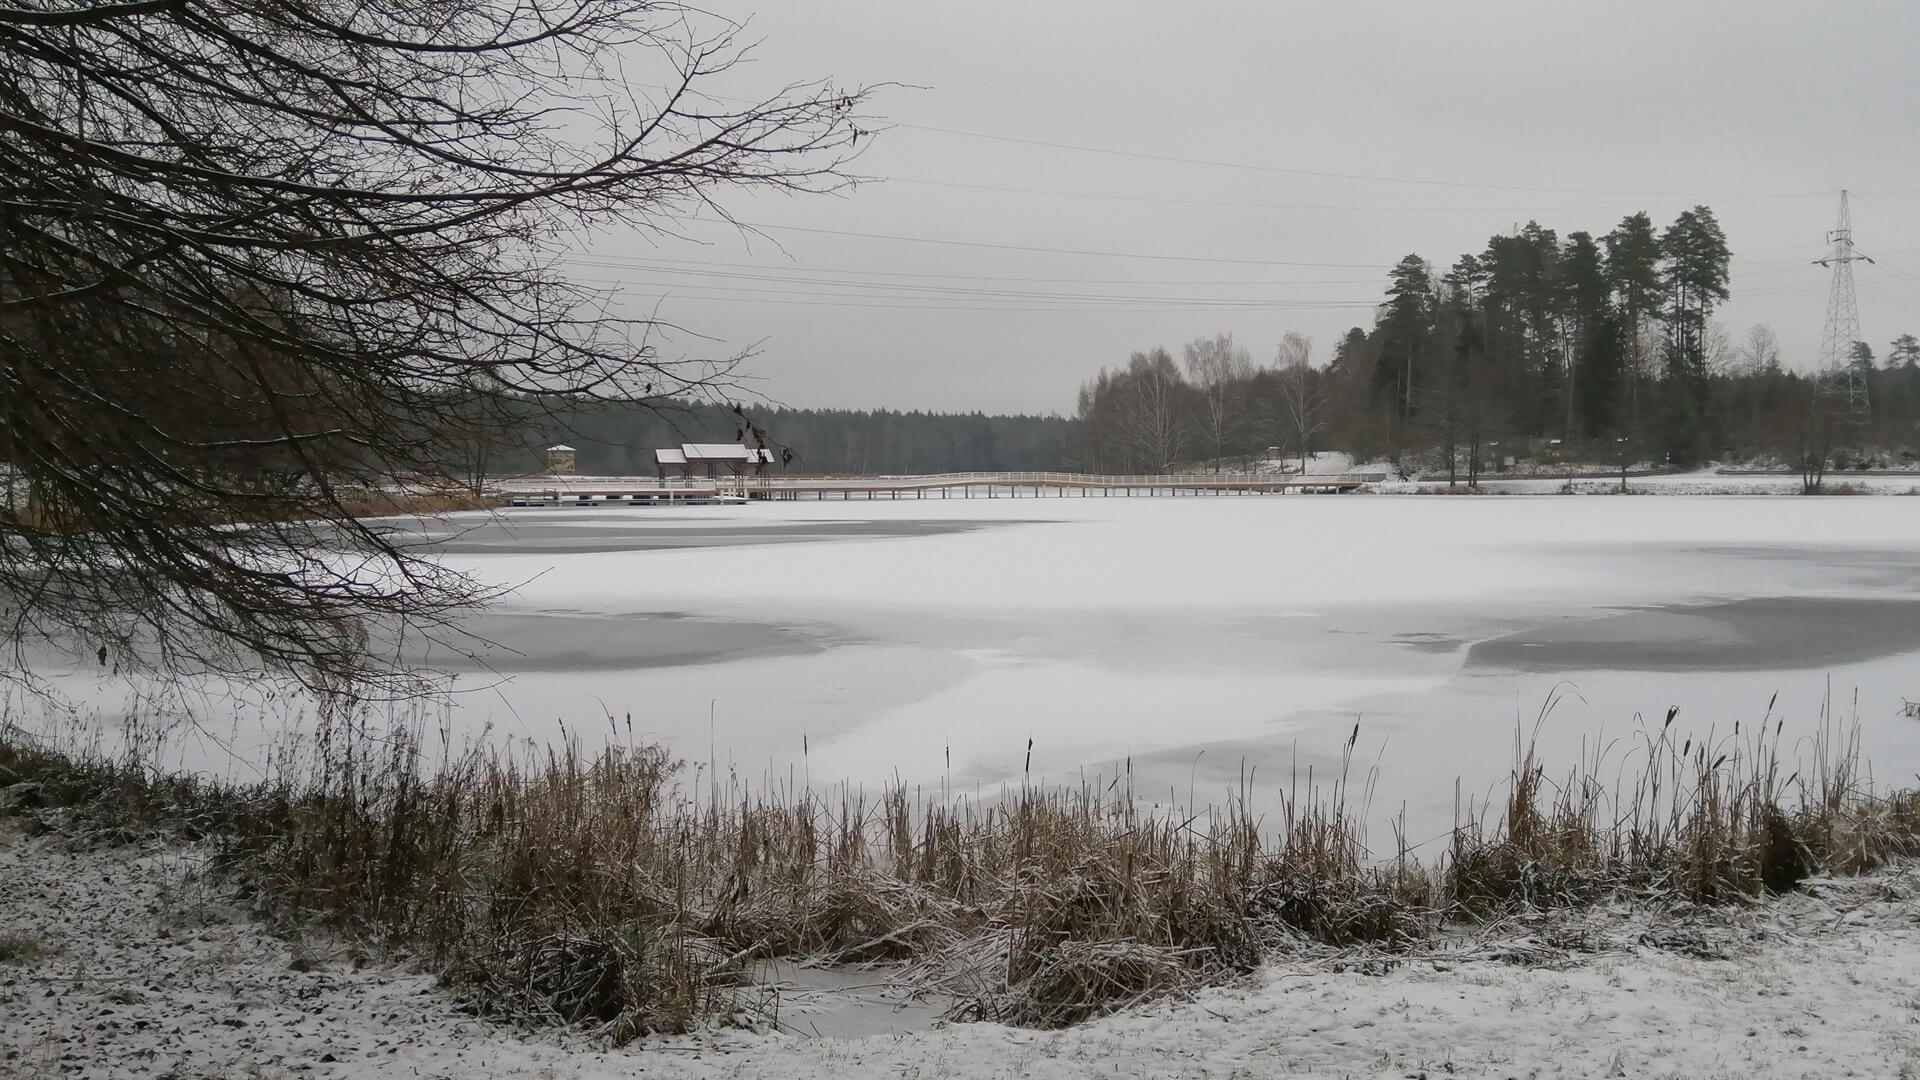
{"x": 1904, "y": 352}
{"x": 1601, "y": 375}
{"x": 1522, "y": 307}
{"x": 1694, "y": 267}
{"x": 1586, "y": 302}
{"x": 1633, "y": 270}
{"x": 1404, "y": 323}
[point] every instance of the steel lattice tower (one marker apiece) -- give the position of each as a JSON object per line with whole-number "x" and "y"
{"x": 1841, "y": 384}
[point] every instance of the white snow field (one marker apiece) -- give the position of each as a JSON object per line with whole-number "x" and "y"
{"x": 1206, "y": 636}
{"x": 138, "y": 970}
{"x": 1199, "y": 639}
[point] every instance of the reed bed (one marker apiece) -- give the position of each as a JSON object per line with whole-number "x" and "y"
{"x": 614, "y": 887}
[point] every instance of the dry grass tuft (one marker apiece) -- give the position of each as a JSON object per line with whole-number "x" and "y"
{"x": 1705, "y": 821}
{"x": 20, "y": 950}
{"x": 1068, "y": 982}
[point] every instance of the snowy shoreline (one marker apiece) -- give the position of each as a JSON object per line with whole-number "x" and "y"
{"x": 148, "y": 970}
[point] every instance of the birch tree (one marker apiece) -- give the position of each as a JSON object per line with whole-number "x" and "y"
{"x": 1303, "y": 393}
{"x": 1219, "y": 370}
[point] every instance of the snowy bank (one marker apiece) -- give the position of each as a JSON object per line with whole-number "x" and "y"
{"x": 145, "y": 972}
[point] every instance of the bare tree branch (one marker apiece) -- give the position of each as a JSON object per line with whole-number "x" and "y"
{"x": 264, "y": 260}
{"x": 88, "y": 16}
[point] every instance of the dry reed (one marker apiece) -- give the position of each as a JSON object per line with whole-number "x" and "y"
{"x": 609, "y": 888}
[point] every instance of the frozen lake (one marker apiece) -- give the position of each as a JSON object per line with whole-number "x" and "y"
{"x": 930, "y": 640}
{"x": 1198, "y": 638}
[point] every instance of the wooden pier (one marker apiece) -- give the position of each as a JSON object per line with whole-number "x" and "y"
{"x": 611, "y": 491}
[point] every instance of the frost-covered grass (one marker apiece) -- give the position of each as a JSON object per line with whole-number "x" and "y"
{"x": 18, "y": 948}
{"x": 608, "y": 889}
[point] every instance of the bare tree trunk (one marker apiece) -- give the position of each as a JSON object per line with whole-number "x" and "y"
{"x": 1816, "y": 449}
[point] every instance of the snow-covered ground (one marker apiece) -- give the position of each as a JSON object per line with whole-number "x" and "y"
{"x": 143, "y": 970}
{"x": 1199, "y": 638}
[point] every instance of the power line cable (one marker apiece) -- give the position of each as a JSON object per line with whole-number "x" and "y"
{"x": 1080, "y": 300}
{"x": 1066, "y": 251}
{"x": 668, "y": 265}
{"x": 1426, "y": 182}
{"x": 1136, "y": 308}
{"x": 1238, "y": 205}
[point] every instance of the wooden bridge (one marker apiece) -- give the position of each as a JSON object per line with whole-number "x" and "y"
{"x": 591, "y": 491}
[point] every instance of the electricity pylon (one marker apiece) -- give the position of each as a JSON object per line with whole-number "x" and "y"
{"x": 1842, "y": 386}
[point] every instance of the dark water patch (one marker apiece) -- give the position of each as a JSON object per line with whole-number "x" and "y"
{"x": 1428, "y": 643}
{"x": 514, "y": 641}
{"x": 508, "y": 534}
{"x": 1769, "y": 634}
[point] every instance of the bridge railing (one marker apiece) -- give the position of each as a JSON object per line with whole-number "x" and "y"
{"x": 1141, "y": 480}
{"x": 588, "y": 486}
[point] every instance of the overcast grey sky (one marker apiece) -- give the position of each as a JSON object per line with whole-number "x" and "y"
{"x": 1447, "y": 122}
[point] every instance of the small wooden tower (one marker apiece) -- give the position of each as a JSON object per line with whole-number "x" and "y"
{"x": 560, "y": 460}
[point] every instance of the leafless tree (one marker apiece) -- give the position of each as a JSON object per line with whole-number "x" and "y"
{"x": 1135, "y": 419}
{"x": 258, "y": 256}
{"x": 1760, "y": 353}
{"x": 1723, "y": 357}
{"x": 1303, "y": 392}
{"x": 1154, "y": 410}
{"x": 1219, "y": 369}
{"x": 1816, "y": 446}
{"x": 1296, "y": 350}
{"x": 1095, "y": 446}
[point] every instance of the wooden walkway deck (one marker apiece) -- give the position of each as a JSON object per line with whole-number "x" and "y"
{"x": 588, "y": 491}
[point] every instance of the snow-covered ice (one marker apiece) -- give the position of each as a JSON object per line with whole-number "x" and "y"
{"x": 1203, "y": 635}
{"x": 1199, "y": 638}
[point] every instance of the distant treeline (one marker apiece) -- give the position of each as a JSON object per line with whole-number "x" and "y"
{"x": 1587, "y": 347}
{"x": 614, "y": 439}
{"x": 1583, "y": 347}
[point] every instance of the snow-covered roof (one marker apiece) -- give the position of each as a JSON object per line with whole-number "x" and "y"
{"x": 762, "y": 455}
{"x": 669, "y": 456}
{"x": 702, "y": 453}
{"x": 562, "y": 448}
